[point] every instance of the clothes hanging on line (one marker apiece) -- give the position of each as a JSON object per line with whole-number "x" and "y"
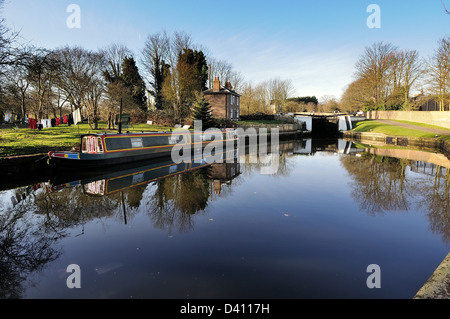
{"x": 77, "y": 116}
{"x": 32, "y": 123}
{"x": 8, "y": 116}
{"x": 46, "y": 123}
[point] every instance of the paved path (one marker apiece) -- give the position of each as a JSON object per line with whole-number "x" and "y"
{"x": 416, "y": 127}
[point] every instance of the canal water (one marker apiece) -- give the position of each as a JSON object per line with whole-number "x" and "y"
{"x": 334, "y": 220}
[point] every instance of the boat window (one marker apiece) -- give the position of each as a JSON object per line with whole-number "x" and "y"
{"x": 136, "y": 142}
{"x": 83, "y": 145}
{"x": 92, "y": 144}
{"x": 100, "y": 145}
{"x": 176, "y": 138}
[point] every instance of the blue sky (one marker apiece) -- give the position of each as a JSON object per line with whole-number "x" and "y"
{"x": 313, "y": 43}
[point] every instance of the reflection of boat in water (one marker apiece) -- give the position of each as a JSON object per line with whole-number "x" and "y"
{"x": 98, "y": 150}
{"x": 128, "y": 177}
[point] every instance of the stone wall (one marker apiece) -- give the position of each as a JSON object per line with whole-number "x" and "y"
{"x": 440, "y": 118}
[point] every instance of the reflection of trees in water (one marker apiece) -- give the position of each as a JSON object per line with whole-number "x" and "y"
{"x": 380, "y": 182}
{"x": 175, "y": 199}
{"x": 26, "y": 246}
{"x": 436, "y": 202}
{"x": 71, "y": 207}
{"x": 253, "y": 163}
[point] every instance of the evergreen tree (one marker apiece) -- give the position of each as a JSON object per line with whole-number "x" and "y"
{"x": 133, "y": 81}
{"x": 202, "y": 111}
{"x": 160, "y": 71}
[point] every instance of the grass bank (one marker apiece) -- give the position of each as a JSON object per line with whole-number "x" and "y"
{"x": 63, "y": 137}
{"x": 394, "y": 130}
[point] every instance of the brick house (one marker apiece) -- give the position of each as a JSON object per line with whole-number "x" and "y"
{"x": 223, "y": 100}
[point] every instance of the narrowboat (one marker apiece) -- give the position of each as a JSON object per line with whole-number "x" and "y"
{"x": 105, "y": 149}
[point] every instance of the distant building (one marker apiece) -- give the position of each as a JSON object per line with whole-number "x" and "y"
{"x": 224, "y": 100}
{"x": 424, "y": 102}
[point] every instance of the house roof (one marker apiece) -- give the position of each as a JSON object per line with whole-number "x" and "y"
{"x": 222, "y": 90}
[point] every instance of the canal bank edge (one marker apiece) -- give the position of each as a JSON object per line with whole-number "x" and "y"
{"x": 438, "y": 284}
{"x": 435, "y": 144}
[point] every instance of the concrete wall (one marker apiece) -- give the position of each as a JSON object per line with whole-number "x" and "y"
{"x": 440, "y": 118}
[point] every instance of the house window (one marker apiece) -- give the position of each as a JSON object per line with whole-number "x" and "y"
{"x": 237, "y": 100}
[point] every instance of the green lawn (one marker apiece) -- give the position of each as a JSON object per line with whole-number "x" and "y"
{"x": 25, "y": 141}
{"x": 378, "y": 127}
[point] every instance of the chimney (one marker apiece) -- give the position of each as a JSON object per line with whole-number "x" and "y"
{"x": 228, "y": 85}
{"x": 216, "y": 86}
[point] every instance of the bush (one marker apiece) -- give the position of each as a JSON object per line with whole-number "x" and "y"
{"x": 161, "y": 118}
{"x": 224, "y": 123}
{"x": 137, "y": 116}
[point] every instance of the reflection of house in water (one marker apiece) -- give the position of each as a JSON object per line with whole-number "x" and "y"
{"x": 222, "y": 174}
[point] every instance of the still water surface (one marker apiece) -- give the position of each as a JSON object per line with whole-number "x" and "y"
{"x": 310, "y": 230}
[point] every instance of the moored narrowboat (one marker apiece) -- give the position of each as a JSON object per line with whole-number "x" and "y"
{"x": 105, "y": 149}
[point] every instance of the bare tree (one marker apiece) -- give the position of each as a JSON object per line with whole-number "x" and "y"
{"x": 278, "y": 92}
{"x": 74, "y": 74}
{"x": 10, "y": 52}
{"x": 373, "y": 66}
{"x": 18, "y": 77}
{"x": 356, "y": 96}
{"x": 389, "y": 75}
{"x": 154, "y": 59}
{"x": 114, "y": 55}
{"x": 445, "y": 9}
{"x": 439, "y": 72}
{"x": 224, "y": 70}
{"x": 406, "y": 70}
{"x": 95, "y": 86}
{"x": 42, "y": 70}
